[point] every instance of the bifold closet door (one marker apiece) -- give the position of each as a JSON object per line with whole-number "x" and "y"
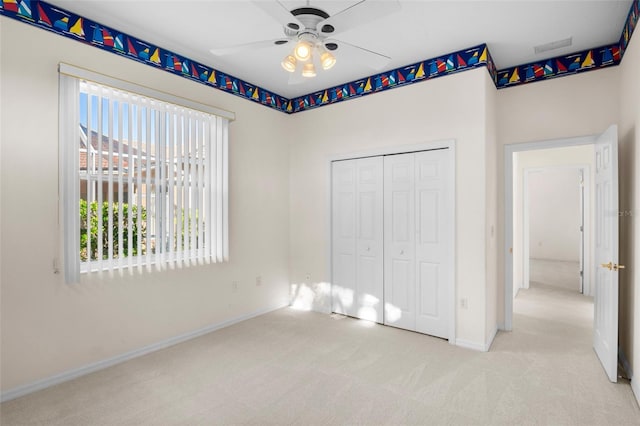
{"x": 357, "y": 246}
{"x": 418, "y": 234}
{"x": 399, "y": 225}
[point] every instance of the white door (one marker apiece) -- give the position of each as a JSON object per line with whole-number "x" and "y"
{"x": 433, "y": 260}
{"x": 343, "y": 216}
{"x": 418, "y": 237}
{"x": 357, "y": 234}
{"x": 605, "y": 328}
{"x": 399, "y": 231}
{"x": 369, "y": 241}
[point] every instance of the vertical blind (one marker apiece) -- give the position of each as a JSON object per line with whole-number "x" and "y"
{"x": 143, "y": 181}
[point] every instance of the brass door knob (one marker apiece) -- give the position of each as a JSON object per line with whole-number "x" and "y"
{"x": 608, "y": 266}
{"x": 612, "y": 266}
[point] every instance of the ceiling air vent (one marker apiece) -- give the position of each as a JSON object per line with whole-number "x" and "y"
{"x": 553, "y": 45}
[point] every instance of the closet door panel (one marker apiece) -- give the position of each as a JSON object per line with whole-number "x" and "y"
{"x": 369, "y": 239}
{"x": 399, "y": 225}
{"x": 429, "y": 210}
{"x": 343, "y": 218}
{"x": 432, "y": 242}
{"x": 428, "y": 288}
{"x": 399, "y": 292}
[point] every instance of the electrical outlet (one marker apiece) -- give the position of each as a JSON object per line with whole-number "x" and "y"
{"x": 258, "y": 281}
{"x": 464, "y": 303}
{"x": 234, "y": 286}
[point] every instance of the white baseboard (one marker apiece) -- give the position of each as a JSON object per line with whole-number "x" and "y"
{"x": 470, "y": 345}
{"x": 489, "y": 341}
{"x": 100, "y": 365}
{"x": 476, "y": 346}
{"x": 625, "y": 363}
{"x": 635, "y": 387}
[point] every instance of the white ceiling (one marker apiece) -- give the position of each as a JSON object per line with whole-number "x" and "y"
{"x": 422, "y": 29}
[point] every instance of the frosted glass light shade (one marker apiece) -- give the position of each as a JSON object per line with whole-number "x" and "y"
{"x": 289, "y": 63}
{"x": 309, "y": 70}
{"x": 327, "y": 60}
{"x": 302, "y": 51}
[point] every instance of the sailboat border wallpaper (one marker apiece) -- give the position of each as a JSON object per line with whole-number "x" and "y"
{"x": 560, "y": 66}
{"x": 429, "y": 69}
{"x": 67, "y": 24}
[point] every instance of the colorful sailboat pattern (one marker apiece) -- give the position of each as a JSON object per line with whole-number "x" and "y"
{"x": 67, "y": 24}
{"x": 630, "y": 25}
{"x": 422, "y": 71}
{"x": 77, "y": 29}
{"x": 62, "y": 23}
{"x": 24, "y": 9}
{"x": 565, "y": 65}
{"x": 42, "y": 16}
{"x": 10, "y": 5}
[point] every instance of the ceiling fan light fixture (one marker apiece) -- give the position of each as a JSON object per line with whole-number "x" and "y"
{"x": 327, "y": 60}
{"x": 309, "y": 70}
{"x": 289, "y": 63}
{"x": 302, "y": 51}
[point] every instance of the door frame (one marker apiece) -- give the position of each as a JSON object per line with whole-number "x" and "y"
{"x": 585, "y": 213}
{"x": 509, "y": 150}
{"x": 449, "y": 144}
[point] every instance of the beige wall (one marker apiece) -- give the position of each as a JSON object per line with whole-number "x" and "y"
{"x": 49, "y": 327}
{"x": 584, "y": 104}
{"x": 629, "y": 156}
{"x": 491, "y": 242}
{"x": 555, "y": 215}
{"x": 445, "y": 108}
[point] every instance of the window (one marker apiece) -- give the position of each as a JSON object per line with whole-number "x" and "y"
{"x": 144, "y": 180}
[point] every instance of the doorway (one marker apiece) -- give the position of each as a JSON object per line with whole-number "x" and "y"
{"x": 604, "y": 227}
{"x": 557, "y": 211}
{"x": 514, "y": 217}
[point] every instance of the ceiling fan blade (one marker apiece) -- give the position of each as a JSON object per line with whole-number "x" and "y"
{"x": 359, "y": 14}
{"x": 239, "y": 48}
{"x": 358, "y": 54}
{"x": 280, "y": 13}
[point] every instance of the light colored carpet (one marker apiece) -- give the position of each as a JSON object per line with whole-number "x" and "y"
{"x": 304, "y": 368}
{"x": 556, "y": 273}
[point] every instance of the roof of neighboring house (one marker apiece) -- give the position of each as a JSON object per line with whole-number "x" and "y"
{"x": 104, "y": 142}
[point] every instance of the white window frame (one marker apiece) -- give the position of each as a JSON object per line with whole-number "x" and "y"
{"x": 215, "y": 233}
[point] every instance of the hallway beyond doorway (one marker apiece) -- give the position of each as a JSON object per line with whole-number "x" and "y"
{"x": 556, "y": 273}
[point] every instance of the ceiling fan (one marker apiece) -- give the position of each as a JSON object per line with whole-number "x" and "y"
{"x": 311, "y": 31}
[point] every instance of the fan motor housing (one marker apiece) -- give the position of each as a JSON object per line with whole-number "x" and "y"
{"x": 309, "y": 16}
{"x": 310, "y": 11}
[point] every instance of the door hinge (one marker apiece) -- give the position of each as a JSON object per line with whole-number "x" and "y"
{"x": 581, "y": 228}
{"x": 581, "y": 273}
